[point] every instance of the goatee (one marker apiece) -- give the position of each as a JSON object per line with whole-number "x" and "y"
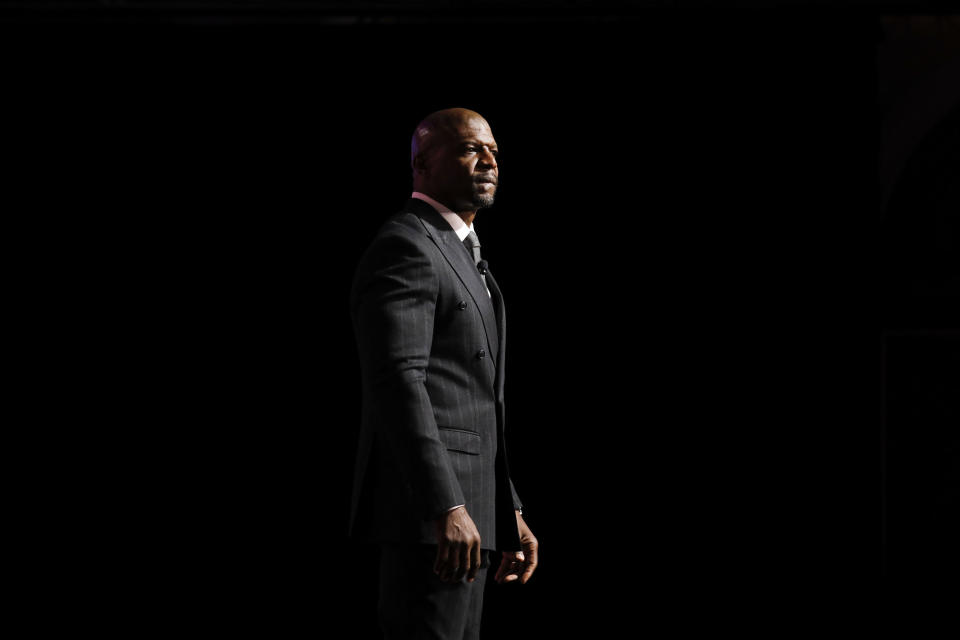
{"x": 483, "y": 200}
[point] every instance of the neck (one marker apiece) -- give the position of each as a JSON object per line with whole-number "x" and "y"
{"x": 466, "y": 216}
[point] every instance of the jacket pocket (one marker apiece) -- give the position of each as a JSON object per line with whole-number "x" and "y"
{"x": 460, "y": 440}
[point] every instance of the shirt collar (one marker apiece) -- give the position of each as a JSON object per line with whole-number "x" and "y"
{"x": 456, "y": 222}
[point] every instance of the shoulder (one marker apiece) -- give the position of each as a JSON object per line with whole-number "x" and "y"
{"x": 401, "y": 257}
{"x": 405, "y": 233}
{"x": 406, "y": 225}
{"x": 402, "y": 242}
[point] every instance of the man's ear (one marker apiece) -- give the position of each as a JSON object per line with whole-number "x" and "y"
{"x": 419, "y": 164}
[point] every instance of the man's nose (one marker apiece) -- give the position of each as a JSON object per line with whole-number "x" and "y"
{"x": 487, "y": 158}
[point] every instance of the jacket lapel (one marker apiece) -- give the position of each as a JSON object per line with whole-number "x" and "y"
{"x": 501, "y": 330}
{"x": 460, "y": 260}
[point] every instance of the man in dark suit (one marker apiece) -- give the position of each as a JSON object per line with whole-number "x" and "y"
{"x": 432, "y": 484}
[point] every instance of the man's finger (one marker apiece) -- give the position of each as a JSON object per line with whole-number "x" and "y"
{"x": 500, "y": 570}
{"x": 440, "y": 559}
{"x": 531, "y": 563}
{"x": 509, "y": 567}
{"x": 453, "y": 564}
{"x": 452, "y": 568}
{"x": 448, "y": 562}
{"x": 475, "y": 563}
{"x": 463, "y": 562}
{"x": 527, "y": 572}
{"x": 529, "y": 566}
{"x": 503, "y": 568}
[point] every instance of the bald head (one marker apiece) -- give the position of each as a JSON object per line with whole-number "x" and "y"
{"x": 454, "y": 159}
{"x": 440, "y": 126}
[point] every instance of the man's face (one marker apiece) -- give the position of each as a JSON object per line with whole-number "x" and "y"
{"x": 463, "y": 166}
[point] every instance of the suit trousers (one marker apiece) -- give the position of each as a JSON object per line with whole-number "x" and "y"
{"x": 416, "y": 605}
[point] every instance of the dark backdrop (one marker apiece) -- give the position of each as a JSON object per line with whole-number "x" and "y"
{"x": 685, "y": 235}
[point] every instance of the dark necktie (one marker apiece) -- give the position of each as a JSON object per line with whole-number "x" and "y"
{"x": 472, "y": 243}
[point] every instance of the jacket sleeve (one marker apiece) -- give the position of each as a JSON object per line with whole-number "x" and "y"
{"x": 517, "y": 505}
{"x": 394, "y": 301}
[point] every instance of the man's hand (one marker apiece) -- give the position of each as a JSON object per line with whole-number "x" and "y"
{"x": 458, "y": 546}
{"x": 519, "y": 565}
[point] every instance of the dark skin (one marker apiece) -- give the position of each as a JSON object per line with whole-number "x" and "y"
{"x": 454, "y": 159}
{"x": 519, "y": 565}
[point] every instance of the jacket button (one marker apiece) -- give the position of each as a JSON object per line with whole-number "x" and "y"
{"x": 462, "y": 305}
{"x": 481, "y": 354}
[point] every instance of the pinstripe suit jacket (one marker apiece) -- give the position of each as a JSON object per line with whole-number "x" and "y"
{"x": 431, "y": 345}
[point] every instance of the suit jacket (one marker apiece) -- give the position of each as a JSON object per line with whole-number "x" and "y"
{"x": 431, "y": 344}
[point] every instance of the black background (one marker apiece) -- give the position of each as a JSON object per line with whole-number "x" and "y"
{"x": 686, "y": 235}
